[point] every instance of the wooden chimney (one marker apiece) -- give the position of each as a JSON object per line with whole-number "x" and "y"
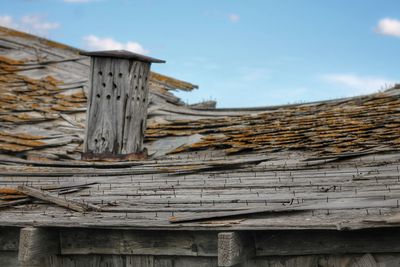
{"x": 117, "y": 105}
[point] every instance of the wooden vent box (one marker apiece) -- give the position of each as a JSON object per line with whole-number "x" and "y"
{"x": 117, "y": 105}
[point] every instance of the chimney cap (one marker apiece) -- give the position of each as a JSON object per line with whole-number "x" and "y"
{"x": 122, "y": 54}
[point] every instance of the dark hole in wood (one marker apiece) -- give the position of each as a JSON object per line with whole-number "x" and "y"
{"x": 118, "y": 97}
{"x": 137, "y": 98}
{"x": 114, "y": 85}
{"x": 95, "y": 141}
{"x": 136, "y": 87}
{"x": 108, "y": 96}
{"x": 142, "y": 87}
{"x": 98, "y": 95}
{"x": 120, "y": 75}
{"x": 134, "y": 76}
{"x": 140, "y": 76}
{"x": 104, "y": 84}
{"x": 100, "y": 73}
{"x": 110, "y": 74}
{"x": 103, "y": 139}
{"x": 144, "y": 100}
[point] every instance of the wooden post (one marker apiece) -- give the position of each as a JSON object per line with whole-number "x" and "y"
{"x": 35, "y": 244}
{"x": 117, "y": 105}
{"x": 234, "y": 248}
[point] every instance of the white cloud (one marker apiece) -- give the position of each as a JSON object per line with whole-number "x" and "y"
{"x": 233, "y": 17}
{"x": 6, "y": 21}
{"x": 388, "y": 26}
{"x": 93, "y": 42}
{"x": 359, "y": 84}
{"x": 37, "y": 24}
{"x": 29, "y": 23}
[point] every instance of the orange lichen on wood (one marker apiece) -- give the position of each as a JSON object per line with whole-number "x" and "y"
{"x": 12, "y": 32}
{"x": 22, "y": 135}
{"x": 12, "y": 197}
{"x": 21, "y": 141}
{"x": 344, "y": 127}
{"x": 9, "y": 191}
{"x": 178, "y": 84}
{"x": 10, "y": 61}
{"x": 52, "y": 81}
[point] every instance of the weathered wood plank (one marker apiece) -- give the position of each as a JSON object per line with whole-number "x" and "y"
{"x": 327, "y": 242}
{"x": 344, "y": 260}
{"x": 35, "y": 244}
{"x": 87, "y": 261}
{"x": 9, "y": 239}
{"x": 195, "y": 262}
{"x": 40, "y": 194}
{"x": 91, "y": 241}
{"x": 139, "y": 261}
{"x": 163, "y": 262}
{"x": 9, "y": 259}
{"x": 388, "y": 260}
{"x": 234, "y": 248}
{"x": 15, "y": 202}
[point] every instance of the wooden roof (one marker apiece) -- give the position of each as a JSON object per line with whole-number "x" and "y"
{"x": 324, "y": 165}
{"x": 123, "y": 54}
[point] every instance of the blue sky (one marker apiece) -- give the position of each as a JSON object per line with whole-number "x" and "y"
{"x": 240, "y": 53}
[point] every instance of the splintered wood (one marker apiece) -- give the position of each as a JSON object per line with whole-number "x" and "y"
{"x": 39, "y": 194}
{"x": 236, "y": 192}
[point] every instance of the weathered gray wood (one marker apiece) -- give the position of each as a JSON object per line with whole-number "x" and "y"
{"x": 35, "y": 244}
{"x": 304, "y": 261}
{"x": 15, "y": 202}
{"x": 40, "y": 194}
{"x": 9, "y": 259}
{"x": 86, "y": 261}
{"x": 117, "y": 106}
{"x": 163, "y": 262}
{"x": 195, "y": 262}
{"x": 9, "y": 239}
{"x": 366, "y": 260}
{"x": 122, "y": 54}
{"x": 234, "y": 248}
{"x": 225, "y": 214}
{"x": 139, "y": 261}
{"x": 91, "y": 241}
{"x": 344, "y": 260}
{"x": 327, "y": 242}
{"x": 388, "y": 260}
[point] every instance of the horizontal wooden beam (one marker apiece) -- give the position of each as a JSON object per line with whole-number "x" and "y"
{"x": 35, "y": 244}
{"x": 286, "y": 243}
{"x": 206, "y": 243}
{"x": 102, "y": 241}
{"x": 234, "y": 248}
